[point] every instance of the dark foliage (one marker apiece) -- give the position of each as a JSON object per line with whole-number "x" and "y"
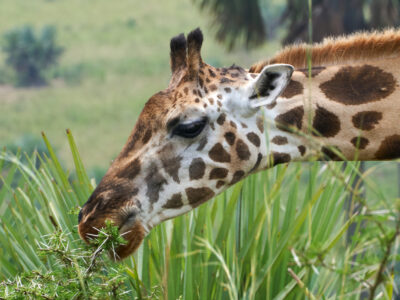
{"x": 237, "y": 19}
{"x": 247, "y": 21}
{"x": 336, "y": 17}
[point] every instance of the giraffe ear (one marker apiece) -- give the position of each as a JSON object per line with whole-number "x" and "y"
{"x": 270, "y": 83}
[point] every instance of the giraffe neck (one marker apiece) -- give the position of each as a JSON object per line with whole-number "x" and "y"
{"x": 345, "y": 112}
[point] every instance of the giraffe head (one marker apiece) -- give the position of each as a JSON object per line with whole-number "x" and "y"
{"x": 192, "y": 140}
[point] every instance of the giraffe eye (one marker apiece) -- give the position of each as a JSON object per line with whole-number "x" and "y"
{"x": 190, "y": 130}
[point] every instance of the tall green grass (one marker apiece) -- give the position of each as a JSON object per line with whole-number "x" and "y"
{"x": 279, "y": 234}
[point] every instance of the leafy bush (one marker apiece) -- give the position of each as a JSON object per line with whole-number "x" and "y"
{"x": 29, "y": 54}
{"x": 279, "y": 234}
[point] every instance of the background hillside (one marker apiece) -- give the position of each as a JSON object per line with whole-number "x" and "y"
{"x": 116, "y": 55}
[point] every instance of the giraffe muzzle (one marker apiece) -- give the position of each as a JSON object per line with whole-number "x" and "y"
{"x": 130, "y": 228}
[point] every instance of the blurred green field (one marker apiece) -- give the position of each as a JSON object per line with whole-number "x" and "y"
{"x": 116, "y": 56}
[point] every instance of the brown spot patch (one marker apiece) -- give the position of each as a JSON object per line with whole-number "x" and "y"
{"x": 218, "y": 173}
{"x": 225, "y": 80}
{"x": 228, "y": 90}
{"x": 291, "y": 119}
{"x": 366, "y": 120}
{"x": 219, "y": 184}
{"x": 212, "y": 87}
{"x": 260, "y": 123}
{"x": 202, "y": 143}
{"x": 325, "y": 123}
{"x": 197, "y": 196}
{"x": 314, "y": 71}
{"x": 197, "y": 169}
{"x": 155, "y": 182}
{"x": 257, "y": 164}
{"x": 302, "y": 150}
{"x": 358, "y": 85}
{"x": 360, "y": 142}
{"x": 233, "y": 124}
{"x": 279, "y": 140}
{"x": 279, "y": 158}
{"x": 272, "y": 104}
{"x": 243, "y": 125}
{"x": 186, "y": 90}
{"x": 219, "y": 96}
{"x": 135, "y": 191}
{"x": 254, "y": 139}
{"x": 172, "y": 166}
{"x": 242, "y": 150}
{"x": 211, "y": 100}
{"x": 174, "y": 202}
{"x": 389, "y": 148}
{"x": 293, "y": 88}
{"x": 331, "y": 153}
{"x": 219, "y": 154}
{"x": 129, "y": 171}
{"x": 230, "y": 137}
{"x": 221, "y": 119}
{"x": 212, "y": 74}
{"x": 237, "y": 176}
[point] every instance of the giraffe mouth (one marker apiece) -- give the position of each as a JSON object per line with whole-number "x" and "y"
{"x": 130, "y": 228}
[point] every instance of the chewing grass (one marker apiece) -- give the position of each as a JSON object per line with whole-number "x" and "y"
{"x": 279, "y": 234}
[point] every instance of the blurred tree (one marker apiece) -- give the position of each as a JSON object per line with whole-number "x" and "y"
{"x": 236, "y": 19}
{"x": 30, "y": 54}
{"x": 385, "y": 13}
{"x": 241, "y": 20}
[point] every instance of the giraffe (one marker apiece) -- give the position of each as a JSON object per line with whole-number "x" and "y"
{"x": 212, "y": 127}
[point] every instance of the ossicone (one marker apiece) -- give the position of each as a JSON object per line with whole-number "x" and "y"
{"x": 195, "y": 40}
{"x": 178, "y": 53}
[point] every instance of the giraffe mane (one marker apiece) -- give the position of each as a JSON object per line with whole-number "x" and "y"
{"x": 360, "y": 46}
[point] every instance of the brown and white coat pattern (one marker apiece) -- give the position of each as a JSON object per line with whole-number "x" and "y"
{"x": 205, "y": 132}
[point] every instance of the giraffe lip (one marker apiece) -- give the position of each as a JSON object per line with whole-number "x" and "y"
{"x": 133, "y": 231}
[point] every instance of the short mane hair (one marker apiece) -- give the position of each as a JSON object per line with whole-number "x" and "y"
{"x": 332, "y": 51}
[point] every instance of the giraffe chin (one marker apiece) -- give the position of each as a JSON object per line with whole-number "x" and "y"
{"x": 134, "y": 236}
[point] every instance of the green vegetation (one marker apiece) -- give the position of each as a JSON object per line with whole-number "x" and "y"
{"x": 279, "y": 234}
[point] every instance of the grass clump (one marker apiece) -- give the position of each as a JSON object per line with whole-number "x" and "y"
{"x": 279, "y": 234}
